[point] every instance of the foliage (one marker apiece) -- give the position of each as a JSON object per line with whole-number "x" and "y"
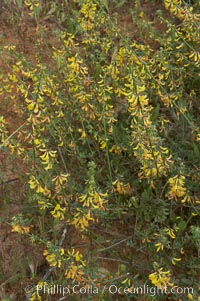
{"x": 110, "y": 135}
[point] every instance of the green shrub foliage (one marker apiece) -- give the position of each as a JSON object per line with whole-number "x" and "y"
{"x": 110, "y": 138}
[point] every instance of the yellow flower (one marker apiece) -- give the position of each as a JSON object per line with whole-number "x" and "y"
{"x": 34, "y": 184}
{"x": 47, "y": 154}
{"x": 93, "y": 200}
{"x": 46, "y": 192}
{"x": 177, "y": 188}
{"x": 143, "y": 99}
{"x": 88, "y": 10}
{"x": 174, "y": 260}
{"x": 159, "y": 246}
{"x": 121, "y": 188}
{"x": 195, "y": 56}
{"x": 83, "y": 133}
{"x": 13, "y": 78}
{"x": 54, "y": 259}
{"x": 47, "y": 157}
{"x": 43, "y": 204}
{"x": 10, "y": 47}
{"x": 35, "y": 297}
{"x": 190, "y": 297}
{"x": 20, "y": 229}
{"x": 170, "y": 232}
{"x": 32, "y": 4}
{"x": 103, "y": 143}
{"x": 58, "y": 212}
{"x": 115, "y": 149}
{"x": 72, "y": 272}
{"x": 160, "y": 278}
{"x": 78, "y": 256}
{"x": 61, "y": 179}
{"x": 81, "y": 219}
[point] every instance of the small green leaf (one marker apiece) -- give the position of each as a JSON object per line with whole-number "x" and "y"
{"x": 52, "y": 10}
{"x": 105, "y": 4}
{"x": 181, "y": 225}
{"x": 70, "y": 25}
{"x": 155, "y": 113}
{"x": 120, "y": 3}
{"x": 196, "y": 149}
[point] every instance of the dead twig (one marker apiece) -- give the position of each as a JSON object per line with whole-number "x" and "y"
{"x": 50, "y": 270}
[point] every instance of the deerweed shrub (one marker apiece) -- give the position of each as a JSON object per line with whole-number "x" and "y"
{"x": 111, "y": 140}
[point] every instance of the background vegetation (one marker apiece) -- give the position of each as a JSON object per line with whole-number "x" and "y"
{"x": 107, "y": 94}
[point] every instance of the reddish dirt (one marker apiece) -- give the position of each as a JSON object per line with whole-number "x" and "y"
{"x": 17, "y": 255}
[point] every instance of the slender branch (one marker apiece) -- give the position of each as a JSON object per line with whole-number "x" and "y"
{"x": 62, "y": 237}
{"x": 9, "y": 181}
{"x": 50, "y": 270}
{"x": 63, "y": 161}
{"x": 13, "y": 133}
{"x": 119, "y": 277}
{"x": 112, "y": 259}
{"x": 114, "y": 245}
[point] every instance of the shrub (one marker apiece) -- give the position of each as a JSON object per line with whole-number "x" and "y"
{"x": 110, "y": 137}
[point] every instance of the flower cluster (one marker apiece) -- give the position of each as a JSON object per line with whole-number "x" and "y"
{"x": 178, "y": 190}
{"x": 161, "y": 279}
{"x": 54, "y": 258}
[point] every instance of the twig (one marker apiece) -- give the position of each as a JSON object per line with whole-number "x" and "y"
{"x": 7, "y": 139}
{"x": 63, "y": 237}
{"x": 135, "y": 227}
{"x": 63, "y": 161}
{"x": 50, "y": 270}
{"x": 119, "y": 277}
{"x": 48, "y": 273}
{"x": 7, "y": 281}
{"x": 62, "y": 298}
{"x": 9, "y": 181}
{"x": 112, "y": 259}
{"x": 114, "y": 245}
